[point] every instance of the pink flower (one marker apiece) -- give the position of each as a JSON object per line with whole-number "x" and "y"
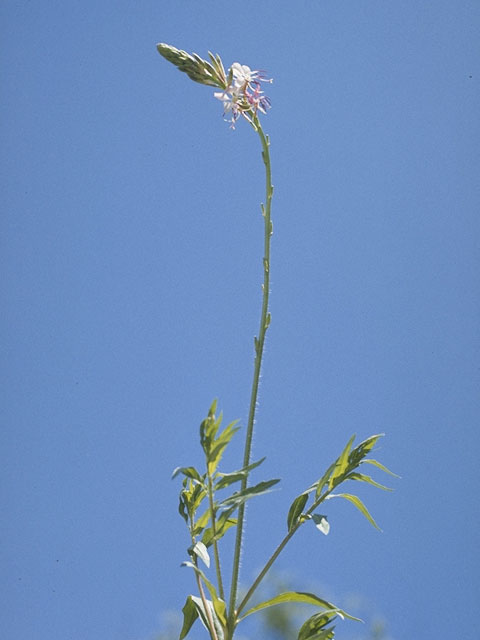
{"x": 243, "y": 96}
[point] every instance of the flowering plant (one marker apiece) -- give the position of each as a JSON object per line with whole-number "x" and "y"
{"x": 208, "y": 514}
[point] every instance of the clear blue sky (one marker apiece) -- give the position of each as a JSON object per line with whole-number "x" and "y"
{"x": 131, "y": 242}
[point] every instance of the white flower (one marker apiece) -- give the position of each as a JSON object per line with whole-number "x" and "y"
{"x": 242, "y": 75}
{"x": 229, "y": 104}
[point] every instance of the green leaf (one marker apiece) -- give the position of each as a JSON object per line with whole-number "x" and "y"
{"x": 201, "y": 523}
{"x": 358, "y": 503}
{"x": 182, "y": 507}
{"x": 190, "y": 472}
{"x": 213, "y": 408}
{"x": 191, "y": 496}
{"x": 296, "y": 509}
{"x": 323, "y": 480}
{"x": 200, "y": 550}
{"x": 363, "y": 478}
{"x": 208, "y": 428}
{"x": 298, "y": 596}
{"x": 219, "y": 629}
{"x": 208, "y": 536}
{"x": 315, "y": 627}
{"x": 222, "y": 525}
{"x": 240, "y": 497}
{"x": 341, "y": 464}
{"x": 218, "y": 446}
{"x": 227, "y": 479}
{"x": 321, "y": 523}
{"x": 190, "y": 614}
{"x": 380, "y": 466}
{"x": 362, "y": 449}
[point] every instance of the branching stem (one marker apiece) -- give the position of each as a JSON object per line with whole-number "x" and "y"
{"x": 278, "y": 551}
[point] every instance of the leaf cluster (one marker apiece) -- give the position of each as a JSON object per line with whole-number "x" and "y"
{"x": 344, "y": 468}
{"x": 219, "y": 517}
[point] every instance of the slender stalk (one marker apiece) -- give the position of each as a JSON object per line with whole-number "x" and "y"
{"x": 277, "y": 552}
{"x": 208, "y": 613}
{"x": 265, "y": 569}
{"x": 259, "y": 345}
{"x": 216, "y": 553}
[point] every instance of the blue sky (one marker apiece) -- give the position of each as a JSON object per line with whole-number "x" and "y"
{"x": 131, "y": 270}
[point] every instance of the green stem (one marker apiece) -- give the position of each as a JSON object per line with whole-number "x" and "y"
{"x": 277, "y": 552}
{"x": 208, "y": 613}
{"x": 259, "y": 345}
{"x": 215, "y": 542}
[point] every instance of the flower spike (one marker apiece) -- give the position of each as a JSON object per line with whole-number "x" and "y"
{"x": 240, "y": 93}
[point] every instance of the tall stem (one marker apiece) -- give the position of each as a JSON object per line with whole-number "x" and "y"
{"x": 259, "y": 344}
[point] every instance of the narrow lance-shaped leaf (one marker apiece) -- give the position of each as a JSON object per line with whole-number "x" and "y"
{"x": 201, "y": 523}
{"x": 222, "y": 525}
{"x": 299, "y": 596}
{"x": 227, "y": 479}
{"x": 295, "y": 510}
{"x": 341, "y": 464}
{"x": 323, "y": 480}
{"x": 182, "y": 507}
{"x": 358, "y": 503}
{"x": 360, "y": 477}
{"x": 215, "y": 454}
{"x": 189, "y": 472}
{"x": 208, "y": 536}
{"x": 208, "y": 429}
{"x": 240, "y": 497}
{"x": 362, "y": 449}
{"x": 379, "y": 465}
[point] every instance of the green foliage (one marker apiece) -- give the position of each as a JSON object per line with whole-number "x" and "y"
{"x": 304, "y": 598}
{"x": 190, "y": 614}
{"x": 295, "y": 510}
{"x": 315, "y": 628}
{"x": 355, "y": 500}
{"x": 240, "y": 497}
{"x": 343, "y": 469}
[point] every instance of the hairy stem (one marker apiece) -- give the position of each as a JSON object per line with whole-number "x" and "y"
{"x": 259, "y": 345}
